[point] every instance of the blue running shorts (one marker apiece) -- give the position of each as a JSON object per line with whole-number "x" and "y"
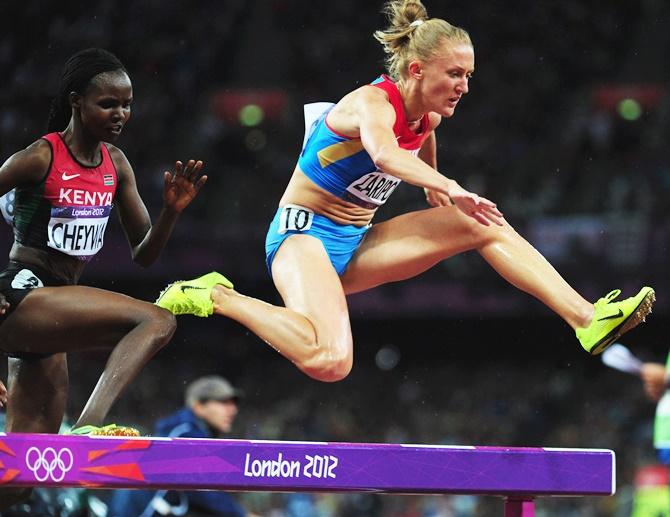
{"x": 340, "y": 241}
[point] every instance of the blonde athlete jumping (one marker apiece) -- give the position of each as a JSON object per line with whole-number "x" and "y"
{"x": 322, "y": 244}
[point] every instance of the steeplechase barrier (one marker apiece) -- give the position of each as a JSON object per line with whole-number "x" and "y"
{"x": 517, "y": 474}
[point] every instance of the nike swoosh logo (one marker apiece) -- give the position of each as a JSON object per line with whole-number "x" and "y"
{"x": 184, "y": 287}
{"x": 67, "y": 176}
{"x": 612, "y": 316}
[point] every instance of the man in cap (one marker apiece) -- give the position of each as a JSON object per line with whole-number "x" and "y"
{"x": 209, "y": 412}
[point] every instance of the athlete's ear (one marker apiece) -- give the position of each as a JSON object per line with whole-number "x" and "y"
{"x": 415, "y": 69}
{"x": 75, "y": 100}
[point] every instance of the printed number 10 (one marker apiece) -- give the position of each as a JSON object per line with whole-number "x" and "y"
{"x": 300, "y": 220}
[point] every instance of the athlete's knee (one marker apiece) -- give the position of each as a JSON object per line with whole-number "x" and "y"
{"x": 328, "y": 366}
{"x": 166, "y": 323}
{"x": 163, "y": 324}
{"x": 483, "y": 235}
{"x": 449, "y": 221}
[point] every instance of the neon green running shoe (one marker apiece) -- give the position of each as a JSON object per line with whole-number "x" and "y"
{"x": 106, "y": 430}
{"x": 612, "y": 319}
{"x": 192, "y": 296}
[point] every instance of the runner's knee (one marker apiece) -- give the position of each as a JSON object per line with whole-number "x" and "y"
{"x": 482, "y": 235}
{"x": 328, "y": 366}
{"x": 162, "y": 322}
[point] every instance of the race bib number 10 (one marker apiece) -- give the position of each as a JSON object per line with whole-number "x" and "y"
{"x": 295, "y": 218}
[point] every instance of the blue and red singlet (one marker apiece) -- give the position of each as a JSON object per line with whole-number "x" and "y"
{"x": 340, "y": 164}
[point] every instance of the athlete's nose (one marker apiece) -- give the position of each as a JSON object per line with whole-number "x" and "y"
{"x": 119, "y": 114}
{"x": 462, "y": 86}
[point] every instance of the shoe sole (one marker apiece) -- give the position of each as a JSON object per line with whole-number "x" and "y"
{"x": 636, "y": 317}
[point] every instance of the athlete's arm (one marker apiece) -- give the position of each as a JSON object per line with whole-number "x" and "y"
{"x": 428, "y": 153}
{"x": 655, "y": 380}
{"x": 376, "y": 117}
{"x": 147, "y": 240}
{"x": 26, "y": 167}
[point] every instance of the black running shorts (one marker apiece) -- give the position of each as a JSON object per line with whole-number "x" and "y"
{"x": 16, "y": 281}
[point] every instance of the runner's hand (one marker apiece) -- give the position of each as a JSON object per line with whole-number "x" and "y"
{"x": 183, "y": 185}
{"x": 479, "y": 208}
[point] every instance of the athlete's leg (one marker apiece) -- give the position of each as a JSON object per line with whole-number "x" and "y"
{"x": 71, "y": 318}
{"x": 313, "y": 330}
{"x": 409, "y": 244}
{"x": 37, "y": 395}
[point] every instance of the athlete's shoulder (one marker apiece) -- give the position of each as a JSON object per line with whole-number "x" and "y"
{"x": 372, "y": 98}
{"x": 115, "y": 152}
{"x": 39, "y": 150}
{"x": 30, "y": 164}
{"x": 119, "y": 159}
{"x": 373, "y": 92}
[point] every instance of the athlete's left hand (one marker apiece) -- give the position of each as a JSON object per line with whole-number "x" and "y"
{"x": 479, "y": 208}
{"x": 435, "y": 198}
{"x": 181, "y": 187}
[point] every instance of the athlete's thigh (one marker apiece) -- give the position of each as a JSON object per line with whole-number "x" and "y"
{"x": 37, "y": 394}
{"x": 407, "y": 245}
{"x": 69, "y": 318}
{"x": 308, "y": 284}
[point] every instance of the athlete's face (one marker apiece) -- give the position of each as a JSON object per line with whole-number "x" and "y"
{"x": 219, "y": 414}
{"x": 105, "y": 106}
{"x": 444, "y": 78}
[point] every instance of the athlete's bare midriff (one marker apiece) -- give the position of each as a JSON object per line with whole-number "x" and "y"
{"x": 304, "y": 192}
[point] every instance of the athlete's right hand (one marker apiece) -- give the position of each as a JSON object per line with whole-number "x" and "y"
{"x": 4, "y": 304}
{"x": 477, "y": 207}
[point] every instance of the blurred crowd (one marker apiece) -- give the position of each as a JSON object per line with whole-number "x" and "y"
{"x": 543, "y": 132}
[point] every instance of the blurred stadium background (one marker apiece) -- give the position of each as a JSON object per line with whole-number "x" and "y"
{"x": 566, "y": 127}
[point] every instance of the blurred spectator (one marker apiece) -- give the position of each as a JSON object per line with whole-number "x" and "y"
{"x": 652, "y": 495}
{"x": 655, "y": 377}
{"x": 209, "y": 412}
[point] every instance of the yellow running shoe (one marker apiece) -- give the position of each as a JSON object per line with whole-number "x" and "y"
{"x": 612, "y": 319}
{"x": 192, "y": 296}
{"x": 106, "y": 430}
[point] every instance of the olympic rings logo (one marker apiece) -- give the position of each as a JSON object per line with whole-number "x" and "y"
{"x": 49, "y": 464}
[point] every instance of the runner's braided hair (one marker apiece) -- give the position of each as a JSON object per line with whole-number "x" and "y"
{"x": 75, "y": 77}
